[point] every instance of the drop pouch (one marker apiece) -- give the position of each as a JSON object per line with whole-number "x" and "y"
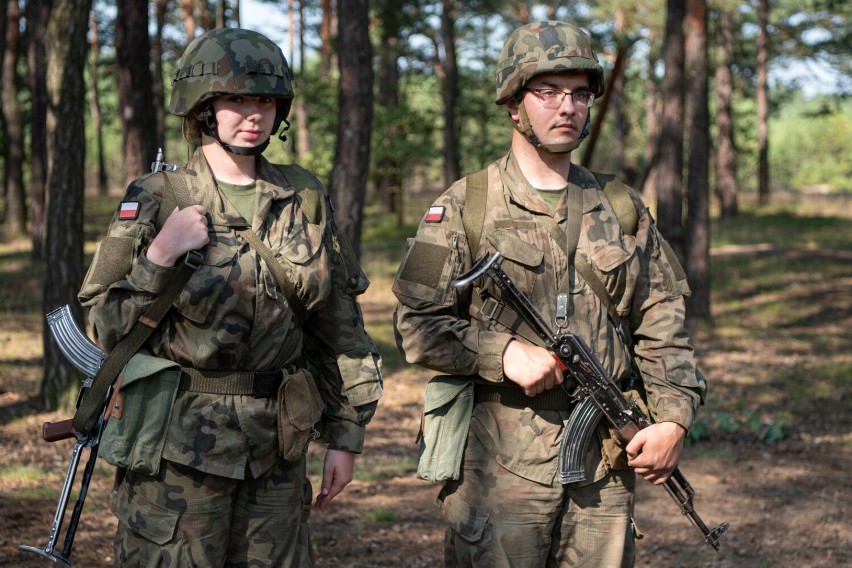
{"x": 300, "y": 408}
{"x": 140, "y": 413}
{"x": 446, "y": 420}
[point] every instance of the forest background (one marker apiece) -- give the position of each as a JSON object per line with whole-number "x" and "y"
{"x": 733, "y": 119}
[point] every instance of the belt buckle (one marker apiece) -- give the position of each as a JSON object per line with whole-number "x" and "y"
{"x": 489, "y": 308}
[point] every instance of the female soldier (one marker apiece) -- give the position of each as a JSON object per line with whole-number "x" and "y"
{"x": 218, "y": 477}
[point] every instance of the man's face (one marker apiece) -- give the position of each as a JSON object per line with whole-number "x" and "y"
{"x": 554, "y": 118}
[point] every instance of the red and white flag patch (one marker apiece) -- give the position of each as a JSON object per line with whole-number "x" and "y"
{"x": 128, "y": 210}
{"x": 435, "y": 214}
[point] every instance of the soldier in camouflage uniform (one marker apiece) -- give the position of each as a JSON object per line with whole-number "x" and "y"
{"x": 506, "y": 506}
{"x": 222, "y": 494}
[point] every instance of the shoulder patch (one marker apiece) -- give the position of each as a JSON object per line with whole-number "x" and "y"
{"x": 128, "y": 210}
{"x": 435, "y": 214}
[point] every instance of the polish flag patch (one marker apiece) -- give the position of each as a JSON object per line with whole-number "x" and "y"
{"x": 435, "y": 214}
{"x": 128, "y": 210}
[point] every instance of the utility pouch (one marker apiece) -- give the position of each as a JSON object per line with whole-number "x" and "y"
{"x": 140, "y": 412}
{"x": 300, "y": 408}
{"x": 446, "y": 420}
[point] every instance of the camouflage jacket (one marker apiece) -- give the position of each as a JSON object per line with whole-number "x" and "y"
{"x": 231, "y": 316}
{"x": 435, "y": 327}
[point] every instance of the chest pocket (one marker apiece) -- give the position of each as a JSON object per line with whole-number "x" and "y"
{"x": 206, "y": 289}
{"x": 523, "y": 260}
{"x": 615, "y": 264}
{"x": 307, "y": 263}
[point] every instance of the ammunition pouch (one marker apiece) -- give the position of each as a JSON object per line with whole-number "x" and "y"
{"x": 300, "y": 409}
{"x": 140, "y": 413}
{"x": 446, "y": 420}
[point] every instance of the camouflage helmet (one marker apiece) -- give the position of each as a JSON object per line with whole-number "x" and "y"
{"x": 545, "y": 47}
{"x": 231, "y": 61}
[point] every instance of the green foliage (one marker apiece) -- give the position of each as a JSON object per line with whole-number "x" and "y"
{"x": 809, "y": 144}
{"x": 720, "y": 425}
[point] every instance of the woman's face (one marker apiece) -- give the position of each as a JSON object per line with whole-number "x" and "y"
{"x": 244, "y": 120}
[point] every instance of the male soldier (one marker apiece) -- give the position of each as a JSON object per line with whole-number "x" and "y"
{"x": 504, "y": 505}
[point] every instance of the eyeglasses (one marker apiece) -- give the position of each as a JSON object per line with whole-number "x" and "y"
{"x": 553, "y": 98}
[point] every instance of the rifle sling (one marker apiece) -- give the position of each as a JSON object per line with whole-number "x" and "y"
{"x": 91, "y": 402}
{"x": 286, "y": 284}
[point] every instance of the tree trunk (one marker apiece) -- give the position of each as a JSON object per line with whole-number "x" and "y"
{"x": 303, "y": 136}
{"x": 450, "y": 93}
{"x": 37, "y": 14}
{"x": 63, "y": 273}
{"x": 95, "y": 105}
{"x": 390, "y": 181}
{"x": 15, "y": 215}
{"x": 161, "y": 9}
{"x": 697, "y": 235}
{"x": 604, "y": 104}
{"x": 135, "y": 92}
{"x": 763, "y": 103}
{"x": 727, "y": 186}
{"x": 326, "y": 38}
{"x": 670, "y": 147}
{"x": 188, "y": 12}
{"x": 352, "y": 152}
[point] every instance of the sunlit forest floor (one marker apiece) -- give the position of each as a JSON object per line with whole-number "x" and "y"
{"x": 771, "y": 453}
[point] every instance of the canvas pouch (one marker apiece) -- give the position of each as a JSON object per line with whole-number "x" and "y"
{"x": 300, "y": 409}
{"x": 446, "y": 420}
{"x": 139, "y": 414}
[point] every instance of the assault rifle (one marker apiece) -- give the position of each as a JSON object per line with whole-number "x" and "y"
{"x": 591, "y": 387}
{"x": 87, "y": 357}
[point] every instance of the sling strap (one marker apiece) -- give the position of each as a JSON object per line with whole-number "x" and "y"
{"x": 91, "y": 402}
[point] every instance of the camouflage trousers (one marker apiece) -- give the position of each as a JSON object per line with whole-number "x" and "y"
{"x": 187, "y": 518}
{"x": 496, "y": 518}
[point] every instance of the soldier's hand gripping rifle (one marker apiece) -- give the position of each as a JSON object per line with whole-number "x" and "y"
{"x": 589, "y": 384}
{"x": 86, "y": 356}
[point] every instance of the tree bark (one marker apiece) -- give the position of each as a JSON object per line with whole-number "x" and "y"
{"x": 158, "y": 88}
{"x": 37, "y": 14}
{"x": 697, "y": 235}
{"x": 135, "y": 91}
{"x": 95, "y": 105}
{"x": 188, "y": 12}
{"x": 763, "y": 103}
{"x": 15, "y": 215}
{"x": 66, "y": 53}
{"x": 670, "y": 147}
{"x": 603, "y": 106}
{"x": 727, "y": 186}
{"x": 450, "y": 93}
{"x": 352, "y": 152}
{"x": 390, "y": 180}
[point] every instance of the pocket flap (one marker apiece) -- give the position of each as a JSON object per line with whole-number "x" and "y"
{"x": 143, "y": 365}
{"x": 302, "y": 400}
{"x": 444, "y": 388}
{"x": 143, "y": 517}
{"x": 516, "y": 249}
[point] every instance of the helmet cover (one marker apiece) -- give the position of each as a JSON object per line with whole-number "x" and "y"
{"x": 228, "y": 61}
{"x": 545, "y": 47}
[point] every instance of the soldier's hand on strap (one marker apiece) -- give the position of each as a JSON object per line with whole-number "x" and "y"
{"x": 183, "y": 231}
{"x": 533, "y": 368}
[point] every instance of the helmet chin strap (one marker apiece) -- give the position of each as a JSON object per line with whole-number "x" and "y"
{"x": 210, "y": 127}
{"x": 525, "y": 128}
